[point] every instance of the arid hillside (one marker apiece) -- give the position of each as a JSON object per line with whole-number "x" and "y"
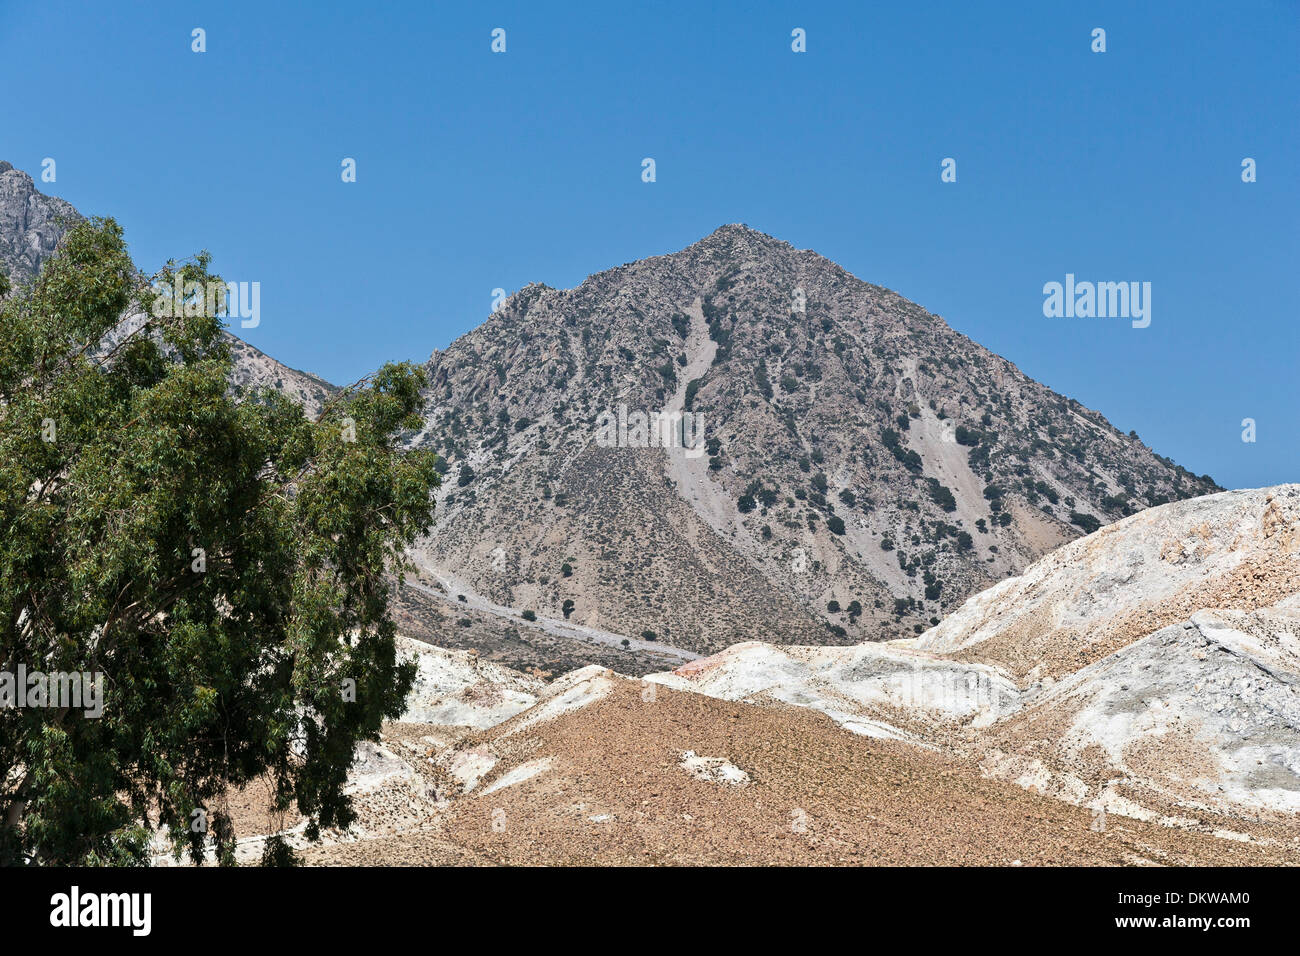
{"x": 858, "y": 469}
{"x": 1130, "y": 699}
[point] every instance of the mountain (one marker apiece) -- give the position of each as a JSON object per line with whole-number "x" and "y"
{"x": 254, "y": 369}
{"x": 864, "y": 468}
{"x": 31, "y": 225}
{"x": 857, "y": 467}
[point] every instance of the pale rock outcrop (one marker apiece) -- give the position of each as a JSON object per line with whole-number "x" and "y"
{"x": 1151, "y": 668}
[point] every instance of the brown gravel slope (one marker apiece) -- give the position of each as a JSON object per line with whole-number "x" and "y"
{"x": 616, "y": 795}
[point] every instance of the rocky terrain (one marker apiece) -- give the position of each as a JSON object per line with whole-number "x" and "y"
{"x": 1133, "y": 698}
{"x": 1151, "y": 668}
{"x": 31, "y": 224}
{"x": 863, "y": 468}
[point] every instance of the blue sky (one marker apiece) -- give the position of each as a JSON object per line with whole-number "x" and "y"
{"x": 478, "y": 170}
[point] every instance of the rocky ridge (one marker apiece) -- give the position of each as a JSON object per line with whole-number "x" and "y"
{"x": 863, "y": 468}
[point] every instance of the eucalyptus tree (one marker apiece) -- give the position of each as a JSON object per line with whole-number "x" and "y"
{"x": 217, "y": 570}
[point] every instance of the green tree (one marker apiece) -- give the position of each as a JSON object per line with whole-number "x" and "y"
{"x": 223, "y": 565}
{"x": 1088, "y": 523}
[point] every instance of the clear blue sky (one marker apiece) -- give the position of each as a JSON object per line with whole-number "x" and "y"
{"x": 478, "y": 170}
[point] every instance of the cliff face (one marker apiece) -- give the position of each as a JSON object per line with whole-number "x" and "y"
{"x": 31, "y": 224}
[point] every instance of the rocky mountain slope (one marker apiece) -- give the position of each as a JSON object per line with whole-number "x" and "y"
{"x": 31, "y": 224}
{"x": 863, "y": 468}
{"x": 858, "y": 467}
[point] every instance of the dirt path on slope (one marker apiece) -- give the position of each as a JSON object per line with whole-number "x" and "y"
{"x": 452, "y": 588}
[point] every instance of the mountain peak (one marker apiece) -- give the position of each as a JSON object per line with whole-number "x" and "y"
{"x": 31, "y": 223}
{"x": 734, "y": 235}
{"x": 860, "y": 469}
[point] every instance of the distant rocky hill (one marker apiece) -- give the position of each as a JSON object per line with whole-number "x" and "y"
{"x": 31, "y": 224}
{"x": 254, "y": 369}
{"x": 864, "y": 467}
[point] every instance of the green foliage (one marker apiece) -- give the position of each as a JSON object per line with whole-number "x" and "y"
{"x": 1088, "y": 523}
{"x": 270, "y": 652}
{"x": 941, "y": 495}
{"x": 1116, "y": 504}
{"x": 692, "y": 389}
{"x": 906, "y": 456}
